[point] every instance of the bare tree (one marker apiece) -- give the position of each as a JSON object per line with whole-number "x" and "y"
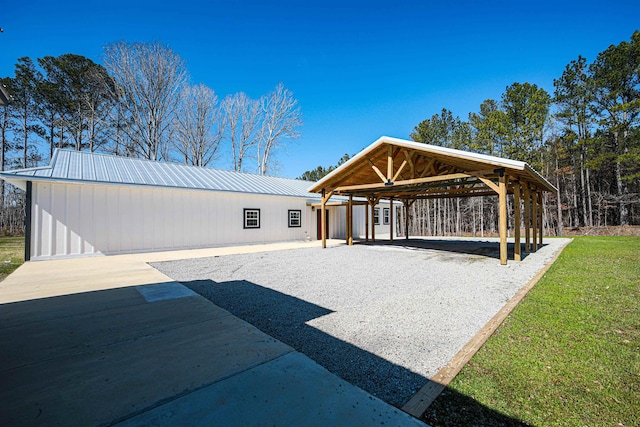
{"x": 149, "y": 77}
{"x": 200, "y": 125}
{"x": 280, "y": 122}
{"x": 241, "y": 115}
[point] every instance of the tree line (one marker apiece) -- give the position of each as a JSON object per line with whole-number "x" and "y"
{"x": 584, "y": 138}
{"x": 138, "y": 103}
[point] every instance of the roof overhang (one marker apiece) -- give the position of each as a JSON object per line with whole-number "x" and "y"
{"x": 397, "y": 168}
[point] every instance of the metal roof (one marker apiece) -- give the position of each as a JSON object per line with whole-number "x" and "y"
{"x": 83, "y": 167}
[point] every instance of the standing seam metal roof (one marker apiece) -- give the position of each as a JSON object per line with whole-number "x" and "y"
{"x": 79, "y": 166}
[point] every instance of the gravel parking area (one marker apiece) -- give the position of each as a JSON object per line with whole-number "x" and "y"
{"x": 383, "y": 317}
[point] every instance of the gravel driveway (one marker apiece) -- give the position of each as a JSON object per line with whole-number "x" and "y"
{"x": 383, "y": 317}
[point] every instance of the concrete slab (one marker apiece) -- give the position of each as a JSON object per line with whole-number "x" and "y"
{"x": 291, "y": 390}
{"x": 164, "y": 291}
{"x": 101, "y": 340}
{"x": 81, "y": 329}
{"x": 92, "y": 382}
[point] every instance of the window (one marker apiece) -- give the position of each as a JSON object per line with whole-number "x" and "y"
{"x": 252, "y": 218}
{"x": 294, "y": 218}
{"x": 376, "y": 216}
{"x": 385, "y": 216}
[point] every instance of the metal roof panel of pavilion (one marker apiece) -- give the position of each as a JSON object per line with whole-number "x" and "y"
{"x": 83, "y": 167}
{"x": 392, "y": 167}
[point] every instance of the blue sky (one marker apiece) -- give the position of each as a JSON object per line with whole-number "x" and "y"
{"x": 358, "y": 69}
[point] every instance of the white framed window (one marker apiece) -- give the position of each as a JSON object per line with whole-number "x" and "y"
{"x": 251, "y": 218}
{"x": 376, "y": 216}
{"x": 295, "y": 218}
{"x": 385, "y": 216}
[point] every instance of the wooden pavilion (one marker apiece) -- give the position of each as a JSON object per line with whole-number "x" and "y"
{"x": 401, "y": 170}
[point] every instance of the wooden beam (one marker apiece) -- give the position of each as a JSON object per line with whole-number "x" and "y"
{"x": 350, "y": 223}
{"x": 399, "y": 171}
{"x": 406, "y": 219}
{"x": 323, "y": 219}
{"x": 502, "y": 195}
{"x": 440, "y": 178}
{"x": 391, "y": 219}
{"x": 489, "y": 183}
{"x": 516, "y": 222}
{"x": 366, "y": 222}
{"x": 390, "y": 163}
{"x": 377, "y": 171}
{"x": 428, "y": 167}
{"x": 534, "y": 219}
{"x": 541, "y": 225}
{"x": 412, "y": 166}
{"x": 373, "y": 223}
{"x": 527, "y": 218}
{"x": 373, "y": 201}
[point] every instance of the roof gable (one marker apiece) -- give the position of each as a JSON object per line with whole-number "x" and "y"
{"x": 397, "y": 167}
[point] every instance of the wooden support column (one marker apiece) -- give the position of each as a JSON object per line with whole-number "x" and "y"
{"x": 323, "y": 216}
{"x": 323, "y": 219}
{"x": 534, "y": 219}
{"x": 502, "y": 196}
{"x": 350, "y": 223}
{"x": 391, "y": 219}
{"x": 373, "y": 201}
{"x": 406, "y": 219}
{"x": 373, "y": 222}
{"x": 527, "y": 218}
{"x": 366, "y": 222}
{"x": 516, "y": 222}
{"x": 540, "y": 224}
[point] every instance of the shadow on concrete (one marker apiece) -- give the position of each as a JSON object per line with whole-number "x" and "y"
{"x": 97, "y": 357}
{"x": 485, "y": 248}
{"x": 283, "y": 317}
{"x": 455, "y": 409}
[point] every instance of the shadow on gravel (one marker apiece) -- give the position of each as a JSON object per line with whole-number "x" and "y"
{"x": 283, "y": 317}
{"x": 488, "y": 249}
{"x": 455, "y": 409}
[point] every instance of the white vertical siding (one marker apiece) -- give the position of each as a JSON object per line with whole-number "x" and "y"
{"x": 338, "y": 222}
{"x": 77, "y": 219}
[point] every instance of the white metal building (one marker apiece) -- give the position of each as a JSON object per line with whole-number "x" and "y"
{"x": 86, "y": 204}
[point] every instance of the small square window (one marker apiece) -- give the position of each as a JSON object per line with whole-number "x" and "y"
{"x": 385, "y": 216}
{"x": 252, "y": 218}
{"x": 376, "y": 216}
{"x": 295, "y": 218}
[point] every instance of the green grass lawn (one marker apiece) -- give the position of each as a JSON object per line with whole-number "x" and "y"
{"x": 11, "y": 255}
{"x": 568, "y": 355}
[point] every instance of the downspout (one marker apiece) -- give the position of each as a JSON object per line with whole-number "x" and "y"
{"x": 27, "y": 222}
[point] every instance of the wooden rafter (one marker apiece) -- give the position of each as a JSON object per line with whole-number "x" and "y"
{"x": 377, "y": 171}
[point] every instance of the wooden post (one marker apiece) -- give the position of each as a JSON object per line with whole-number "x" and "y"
{"x": 391, "y": 219}
{"x": 373, "y": 223}
{"x": 540, "y": 224}
{"x": 406, "y": 219}
{"x": 323, "y": 219}
{"x": 350, "y": 224}
{"x": 534, "y": 219}
{"x": 502, "y": 195}
{"x": 516, "y": 222}
{"x": 390, "y": 164}
{"x": 366, "y": 222}
{"x": 527, "y": 218}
